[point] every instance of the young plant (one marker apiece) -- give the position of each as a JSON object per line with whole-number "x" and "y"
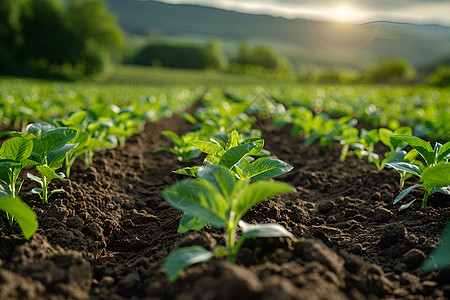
{"x": 220, "y": 199}
{"x": 85, "y": 139}
{"x": 14, "y": 156}
{"x": 439, "y": 258}
{"x": 235, "y": 154}
{"x": 434, "y": 173}
{"x": 49, "y": 151}
{"x": 368, "y": 139}
{"x": 182, "y": 145}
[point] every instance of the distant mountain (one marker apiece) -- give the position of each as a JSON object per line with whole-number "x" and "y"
{"x": 302, "y": 41}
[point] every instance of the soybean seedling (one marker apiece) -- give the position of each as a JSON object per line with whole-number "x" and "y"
{"x": 218, "y": 198}
{"x": 49, "y": 151}
{"x": 182, "y": 145}
{"x": 434, "y": 173}
{"x": 235, "y": 154}
{"x": 14, "y": 156}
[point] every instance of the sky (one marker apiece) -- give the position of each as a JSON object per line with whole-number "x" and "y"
{"x": 353, "y": 11}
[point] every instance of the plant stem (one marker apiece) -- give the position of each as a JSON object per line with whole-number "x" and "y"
{"x": 344, "y": 151}
{"x": 230, "y": 245}
{"x": 44, "y": 190}
{"x": 425, "y": 199}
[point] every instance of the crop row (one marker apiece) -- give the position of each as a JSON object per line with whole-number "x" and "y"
{"x": 236, "y": 169}
{"x": 240, "y": 154}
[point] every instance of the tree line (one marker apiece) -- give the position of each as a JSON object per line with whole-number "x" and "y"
{"x": 50, "y": 34}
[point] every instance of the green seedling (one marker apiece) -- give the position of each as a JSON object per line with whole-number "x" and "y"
{"x": 49, "y": 151}
{"x": 368, "y": 139}
{"x": 434, "y": 173}
{"x": 235, "y": 154}
{"x": 220, "y": 199}
{"x": 14, "y": 156}
{"x": 85, "y": 139}
{"x": 439, "y": 258}
{"x": 182, "y": 145}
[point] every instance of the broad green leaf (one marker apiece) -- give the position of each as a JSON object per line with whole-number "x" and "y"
{"x": 191, "y": 154}
{"x": 48, "y": 172}
{"x": 235, "y": 154}
{"x": 404, "y": 166}
{"x": 439, "y": 258}
{"x": 17, "y": 149}
{"x": 257, "y": 192}
{"x": 259, "y": 145}
{"x": 212, "y": 159}
{"x": 220, "y": 139}
{"x": 24, "y": 215}
{"x": 199, "y": 198}
{"x": 188, "y": 117}
{"x": 208, "y": 148}
{"x": 220, "y": 178}
{"x": 266, "y": 168}
{"x": 75, "y": 119}
{"x": 436, "y": 176}
{"x": 175, "y": 138}
{"x": 56, "y": 158}
{"x": 443, "y": 190}
{"x": 420, "y": 145}
{"x": 181, "y": 258}
{"x": 264, "y": 230}
{"x": 55, "y": 139}
{"x": 191, "y": 171}
{"x": 39, "y": 128}
{"x": 443, "y": 152}
{"x": 405, "y": 192}
{"x": 190, "y": 222}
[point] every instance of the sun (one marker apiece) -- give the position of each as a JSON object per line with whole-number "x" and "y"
{"x": 344, "y": 14}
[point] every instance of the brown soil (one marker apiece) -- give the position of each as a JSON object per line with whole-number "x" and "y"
{"x": 107, "y": 235}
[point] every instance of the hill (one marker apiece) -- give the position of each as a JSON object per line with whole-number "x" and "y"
{"x": 302, "y": 41}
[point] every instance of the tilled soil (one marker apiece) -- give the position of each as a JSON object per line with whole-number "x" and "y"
{"x": 107, "y": 235}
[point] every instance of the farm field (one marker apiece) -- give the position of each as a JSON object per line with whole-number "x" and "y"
{"x": 109, "y": 233}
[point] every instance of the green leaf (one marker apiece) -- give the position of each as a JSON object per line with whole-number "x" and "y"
{"x": 199, "y": 198}
{"x": 4, "y": 190}
{"x": 39, "y": 128}
{"x": 17, "y": 149}
{"x": 175, "y": 138}
{"x": 405, "y": 192}
{"x": 47, "y": 172}
{"x": 220, "y": 139}
{"x": 404, "y": 166}
{"x": 190, "y": 222}
{"x": 436, "y": 176}
{"x": 209, "y": 148}
{"x": 220, "y": 178}
{"x": 36, "y": 191}
{"x": 444, "y": 151}
{"x": 439, "y": 257}
{"x": 55, "y": 139}
{"x": 191, "y": 171}
{"x": 266, "y": 168}
{"x": 257, "y": 192}
{"x": 259, "y": 145}
{"x": 56, "y": 158}
{"x": 264, "y": 230}
{"x": 188, "y": 117}
{"x": 75, "y": 119}
{"x": 212, "y": 159}
{"x": 235, "y": 154}
{"x": 407, "y": 205}
{"x": 24, "y": 215}
{"x": 420, "y": 145}
{"x": 181, "y": 258}
{"x": 233, "y": 140}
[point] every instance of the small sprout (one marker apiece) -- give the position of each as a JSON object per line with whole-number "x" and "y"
{"x": 434, "y": 173}
{"x": 220, "y": 199}
{"x": 182, "y": 145}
